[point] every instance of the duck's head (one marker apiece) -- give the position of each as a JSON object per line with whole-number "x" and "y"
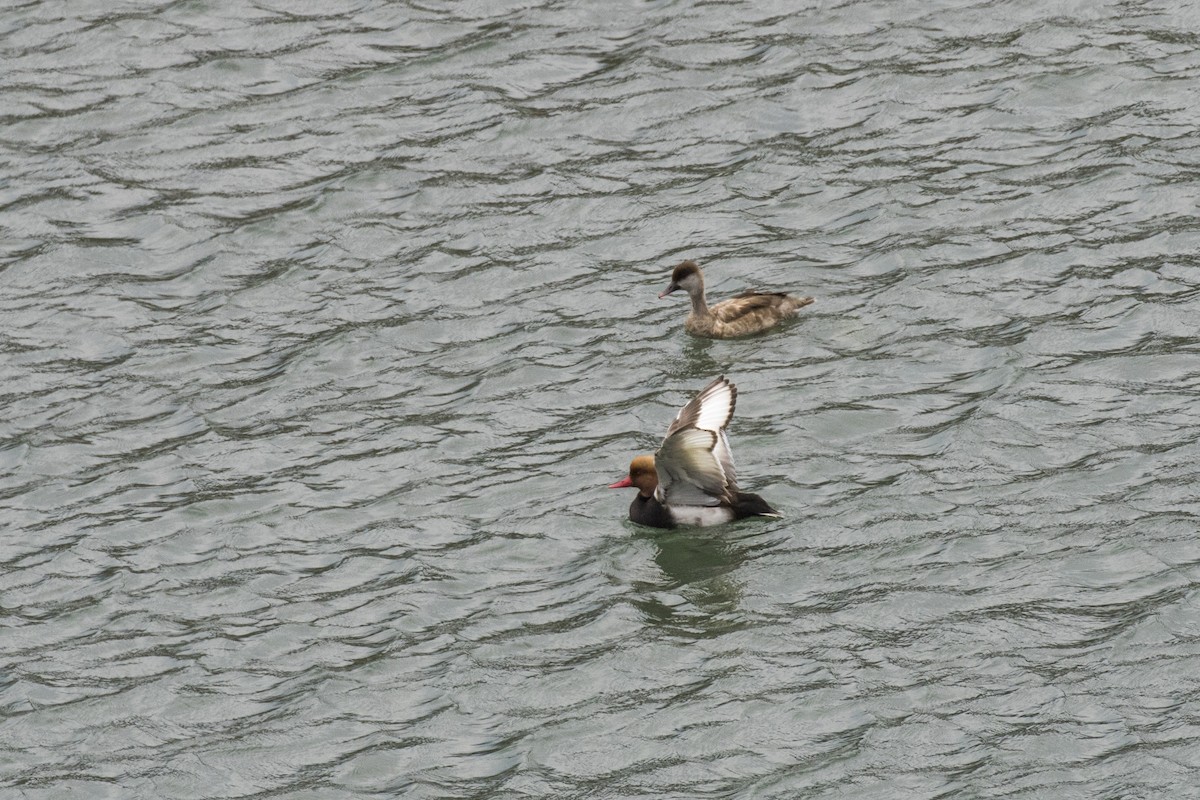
{"x": 687, "y": 277}
{"x": 642, "y": 475}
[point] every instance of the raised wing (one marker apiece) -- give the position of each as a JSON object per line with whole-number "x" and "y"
{"x": 710, "y": 410}
{"x": 694, "y": 463}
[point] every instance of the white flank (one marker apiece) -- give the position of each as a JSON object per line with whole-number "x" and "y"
{"x": 701, "y": 515}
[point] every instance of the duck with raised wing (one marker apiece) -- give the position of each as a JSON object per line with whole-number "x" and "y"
{"x": 747, "y": 313}
{"x": 691, "y": 479}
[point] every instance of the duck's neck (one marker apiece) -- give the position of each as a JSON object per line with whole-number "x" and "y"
{"x": 699, "y": 306}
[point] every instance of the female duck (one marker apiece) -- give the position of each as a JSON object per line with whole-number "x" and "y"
{"x": 691, "y": 480}
{"x": 752, "y": 312}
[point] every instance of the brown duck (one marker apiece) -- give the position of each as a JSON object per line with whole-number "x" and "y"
{"x": 742, "y": 315}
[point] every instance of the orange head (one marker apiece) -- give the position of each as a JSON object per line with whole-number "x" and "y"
{"x": 642, "y": 475}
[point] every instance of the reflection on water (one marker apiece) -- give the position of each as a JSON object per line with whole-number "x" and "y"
{"x": 700, "y": 566}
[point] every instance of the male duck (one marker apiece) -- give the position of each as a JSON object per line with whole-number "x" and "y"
{"x": 691, "y": 480}
{"x": 751, "y": 312}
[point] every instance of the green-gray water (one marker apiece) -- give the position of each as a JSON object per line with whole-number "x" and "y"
{"x": 324, "y": 327}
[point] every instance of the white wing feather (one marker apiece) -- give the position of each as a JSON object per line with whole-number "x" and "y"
{"x": 694, "y": 463}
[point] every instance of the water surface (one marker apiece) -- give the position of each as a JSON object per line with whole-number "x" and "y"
{"x": 323, "y": 331}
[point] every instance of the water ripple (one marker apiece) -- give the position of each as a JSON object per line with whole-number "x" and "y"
{"x": 326, "y": 329}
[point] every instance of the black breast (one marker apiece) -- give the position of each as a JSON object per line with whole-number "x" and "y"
{"x": 648, "y": 511}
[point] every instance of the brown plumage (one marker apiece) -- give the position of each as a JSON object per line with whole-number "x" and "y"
{"x": 751, "y": 312}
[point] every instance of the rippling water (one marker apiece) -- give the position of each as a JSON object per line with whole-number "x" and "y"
{"x": 324, "y": 330}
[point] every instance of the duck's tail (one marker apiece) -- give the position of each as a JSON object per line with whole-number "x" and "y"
{"x": 796, "y": 303}
{"x": 751, "y": 505}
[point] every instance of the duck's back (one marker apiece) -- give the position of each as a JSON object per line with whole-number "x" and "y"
{"x": 745, "y": 314}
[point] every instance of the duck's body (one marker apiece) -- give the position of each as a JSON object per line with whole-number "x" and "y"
{"x": 648, "y": 511}
{"x": 691, "y": 479}
{"x": 745, "y": 314}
